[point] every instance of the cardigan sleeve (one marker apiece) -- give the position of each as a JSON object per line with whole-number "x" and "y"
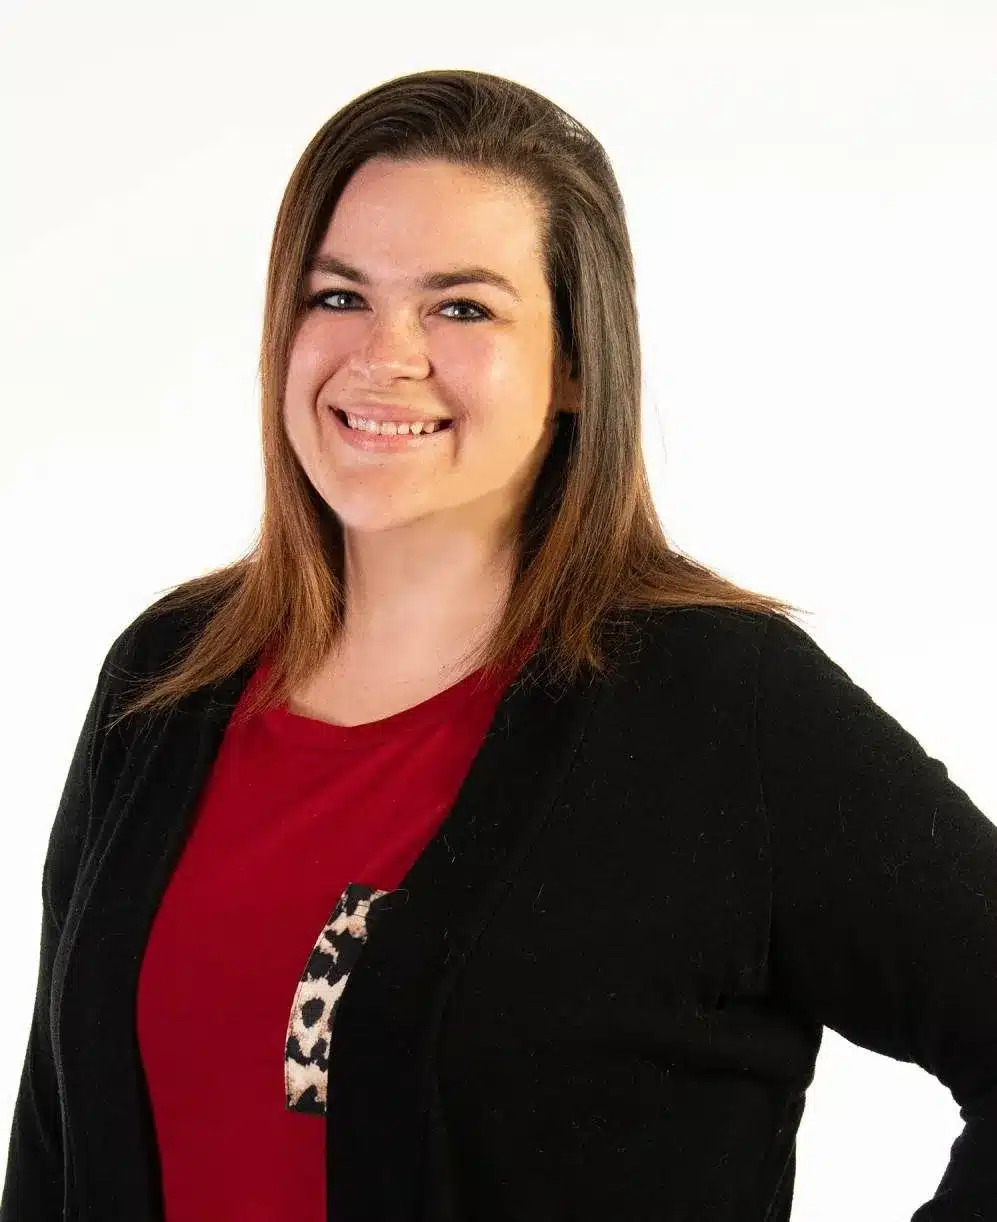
{"x": 884, "y": 895}
{"x": 34, "y": 1183}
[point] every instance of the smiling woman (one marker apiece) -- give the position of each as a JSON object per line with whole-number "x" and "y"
{"x": 471, "y": 855}
{"x": 452, "y": 246}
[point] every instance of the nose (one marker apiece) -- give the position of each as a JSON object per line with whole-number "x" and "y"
{"x": 390, "y": 349}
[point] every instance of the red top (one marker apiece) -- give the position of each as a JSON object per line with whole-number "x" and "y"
{"x": 240, "y": 975}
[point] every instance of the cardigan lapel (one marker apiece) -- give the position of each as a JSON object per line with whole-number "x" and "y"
{"x": 386, "y": 1146}
{"x": 387, "y": 1152}
{"x": 113, "y": 1149}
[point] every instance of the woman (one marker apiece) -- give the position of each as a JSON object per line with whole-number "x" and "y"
{"x": 468, "y": 852}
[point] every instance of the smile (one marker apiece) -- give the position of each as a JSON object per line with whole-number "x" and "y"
{"x": 370, "y": 438}
{"x": 390, "y": 428}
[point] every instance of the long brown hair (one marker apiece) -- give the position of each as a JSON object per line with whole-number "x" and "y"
{"x": 591, "y": 544}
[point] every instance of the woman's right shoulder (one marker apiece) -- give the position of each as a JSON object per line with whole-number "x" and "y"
{"x": 149, "y": 641}
{"x": 140, "y": 648}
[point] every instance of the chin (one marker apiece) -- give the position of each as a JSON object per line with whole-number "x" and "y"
{"x": 377, "y": 519}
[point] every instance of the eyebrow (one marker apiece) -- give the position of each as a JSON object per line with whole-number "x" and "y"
{"x": 332, "y": 266}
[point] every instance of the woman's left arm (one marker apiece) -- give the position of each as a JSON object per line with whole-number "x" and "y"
{"x": 884, "y": 919}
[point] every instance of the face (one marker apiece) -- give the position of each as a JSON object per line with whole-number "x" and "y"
{"x": 478, "y": 354}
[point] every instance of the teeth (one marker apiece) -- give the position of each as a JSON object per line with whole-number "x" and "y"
{"x": 389, "y": 428}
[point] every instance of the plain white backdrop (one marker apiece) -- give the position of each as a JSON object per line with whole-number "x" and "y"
{"x": 811, "y": 190}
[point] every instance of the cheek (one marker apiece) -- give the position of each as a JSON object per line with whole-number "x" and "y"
{"x": 314, "y": 353}
{"x": 310, "y": 367}
{"x": 463, "y": 360}
{"x": 483, "y": 370}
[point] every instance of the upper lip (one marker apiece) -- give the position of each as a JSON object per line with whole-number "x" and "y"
{"x": 385, "y": 411}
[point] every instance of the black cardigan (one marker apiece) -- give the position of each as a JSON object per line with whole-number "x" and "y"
{"x": 604, "y": 995}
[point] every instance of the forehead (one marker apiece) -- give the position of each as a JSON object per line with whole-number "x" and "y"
{"x": 400, "y": 218}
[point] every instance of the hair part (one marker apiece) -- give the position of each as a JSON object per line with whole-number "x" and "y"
{"x": 573, "y": 584}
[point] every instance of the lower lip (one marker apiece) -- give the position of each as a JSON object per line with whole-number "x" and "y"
{"x": 385, "y": 443}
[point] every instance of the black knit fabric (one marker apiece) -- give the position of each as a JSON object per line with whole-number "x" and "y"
{"x": 605, "y": 993}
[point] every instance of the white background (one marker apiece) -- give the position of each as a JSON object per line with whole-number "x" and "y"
{"x": 811, "y": 190}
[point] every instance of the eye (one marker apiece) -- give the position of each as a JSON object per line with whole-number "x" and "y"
{"x": 482, "y": 312}
{"x": 320, "y": 299}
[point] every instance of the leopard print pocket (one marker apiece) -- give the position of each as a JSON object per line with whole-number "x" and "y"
{"x": 306, "y": 1047}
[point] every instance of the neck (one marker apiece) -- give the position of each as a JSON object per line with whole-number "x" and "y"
{"x": 423, "y": 590}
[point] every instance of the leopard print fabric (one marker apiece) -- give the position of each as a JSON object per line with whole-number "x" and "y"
{"x": 306, "y": 1047}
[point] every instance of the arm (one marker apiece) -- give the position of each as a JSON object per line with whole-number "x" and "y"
{"x": 34, "y": 1183}
{"x": 884, "y": 921}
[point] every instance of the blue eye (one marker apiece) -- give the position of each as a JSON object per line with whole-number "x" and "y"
{"x": 482, "y": 312}
{"x": 320, "y": 299}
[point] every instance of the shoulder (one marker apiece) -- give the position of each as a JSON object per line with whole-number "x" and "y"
{"x": 694, "y": 667}
{"x": 153, "y": 637}
{"x": 712, "y": 637}
{"x": 721, "y": 638}
{"x": 147, "y": 646}
{"x": 721, "y": 662}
